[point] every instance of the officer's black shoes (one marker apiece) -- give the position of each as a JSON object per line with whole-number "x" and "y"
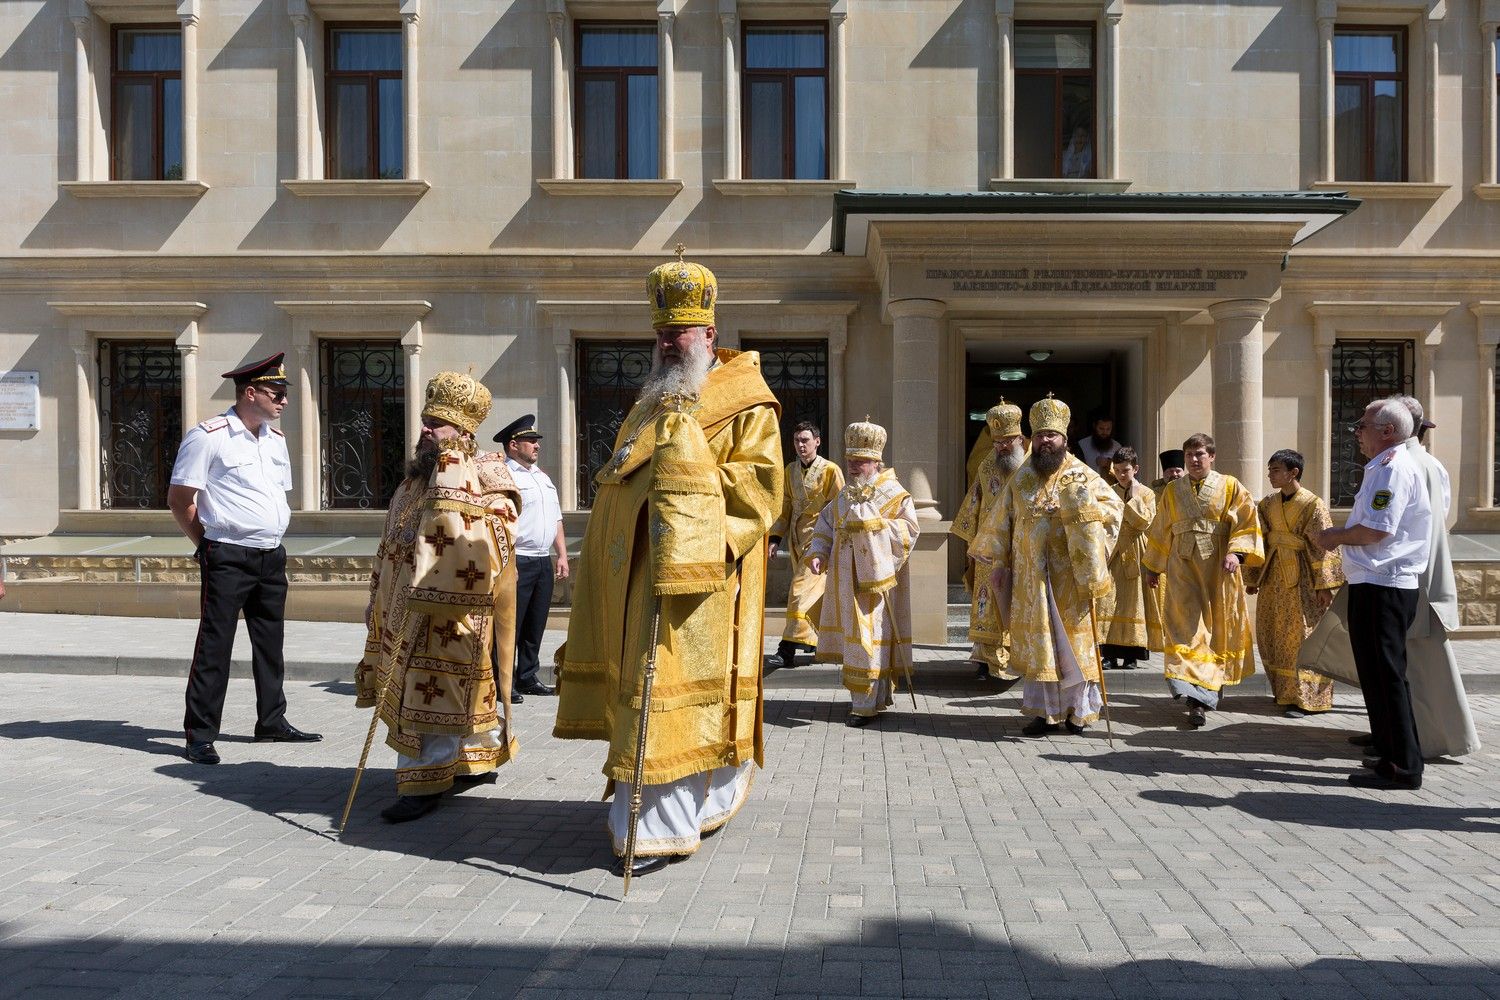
{"x": 202, "y": 752}
{"x": 1197, "y": 714}
{"x": 410, "y": 807}
{"x": 1039, "y": 727}
{"x": 1387, "y": 778}
{"x": 536, "y": 687}
{"x": 285, "y": 733}
{"x": 1075, "y": 728}
{"x": 1363, "y": 739}
{"x": 645, "y": 866}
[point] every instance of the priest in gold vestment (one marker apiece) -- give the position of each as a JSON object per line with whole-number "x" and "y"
{"x": 443, "y": 589}
{"x": 989, "y": 644}
{"x": 1295, "y": 586}
{"x": 1205, "y": 531}
{"x": 1132, "y": 626}
{"x": 1048, "y": 539}
{"x": 811, "y": 482}
{"x": 863, "y": 540}
{"x": 705, "y": 716}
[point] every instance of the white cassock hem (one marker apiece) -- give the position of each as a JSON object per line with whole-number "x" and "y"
{"x": 674, "y": 816}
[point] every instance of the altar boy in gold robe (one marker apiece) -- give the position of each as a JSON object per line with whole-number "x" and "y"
{"x": 443, "y": 589}
{"x": 811, "y": 482}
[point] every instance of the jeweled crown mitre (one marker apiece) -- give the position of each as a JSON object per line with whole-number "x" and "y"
{"x": 459, "y": 399}
{"x": 1004, "y": 419}
{"x": 682, "y": 293}
{"x": 1050, "y": 414}
{"x": 864, "y": 439}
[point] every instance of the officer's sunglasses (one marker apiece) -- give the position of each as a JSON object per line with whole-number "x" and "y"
{"x": 1365, "y": 425}
{"x": 277, "y": 395}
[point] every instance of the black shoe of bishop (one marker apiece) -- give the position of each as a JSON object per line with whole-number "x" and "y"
{"x": 645, "y": 866}
{"x": 285, "y": 733}
{"x": 536, "y": 687}
{"x": 981, "y": 671}
{"x": 1039, "y": 727}
{"x": 202, "y": 752}
{"x": 410, "y": 807}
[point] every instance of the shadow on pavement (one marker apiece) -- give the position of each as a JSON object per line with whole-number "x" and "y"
{"x": 1155, "y": 764}
{"x": 917, "y": 957}
{"x": 794, "y": 713}
{"x": 1393, "y": 811}
{"x": 108, "y": 733}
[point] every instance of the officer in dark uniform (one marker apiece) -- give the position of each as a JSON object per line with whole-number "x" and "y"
{"x": 228, "y": 496}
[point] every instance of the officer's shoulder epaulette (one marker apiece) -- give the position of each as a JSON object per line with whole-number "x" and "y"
{"x": 214, "y": 424}
{"x": 277, "y": 433}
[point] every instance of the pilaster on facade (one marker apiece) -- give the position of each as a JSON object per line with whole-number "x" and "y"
{"x": 916, "y": 445}
{"x": 319, "y": 319}
{"x": 1422, "y": 19}
{"x": 309, "y": 99}
{"x": 1487, "y": 314}
{"x": 1105, "y": 15}
{"x": 92, "y": 21}
{"x": 1238, "y": 385}
{"x": 88, "y": 323}
{"x": 1489, "y": 170}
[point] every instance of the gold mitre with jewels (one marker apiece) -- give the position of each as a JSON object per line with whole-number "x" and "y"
{"x": 1004, "y": 419}
{"x": 1050, "y": 414}
{"x": 864, "y": 439}
{"x": 682, "y": 293}
{"x": 459, "y": 399}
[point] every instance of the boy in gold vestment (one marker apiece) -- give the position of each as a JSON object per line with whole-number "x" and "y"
{"x": 1132, "y": 625}
{"x": 811, "y": 482}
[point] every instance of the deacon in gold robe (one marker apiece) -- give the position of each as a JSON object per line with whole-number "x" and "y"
{"x": 990, "y": 645}
{"x": 1295, "y": 586}
{"x": 705, "y": 715}
{"x": 443, "y": 589}
{"x": 1049, "y": 539}
{"x": 811, "y": 481}
{"x": 1132, "y": 625}
{"x": 862, "y": 541}
{"x": 1205, "y": 531}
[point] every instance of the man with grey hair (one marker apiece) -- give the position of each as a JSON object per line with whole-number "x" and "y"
{"x": 1386, "y": 546}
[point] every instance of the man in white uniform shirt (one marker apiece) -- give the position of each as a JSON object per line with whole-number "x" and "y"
{"x": 1386, "y": 548}
{"x": 539, "y": 533}
{"x": 228, "y": 495}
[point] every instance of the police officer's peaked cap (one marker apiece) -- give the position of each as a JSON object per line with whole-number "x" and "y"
{"x": 522, "y": 427}
{"x": 257, "y": 372}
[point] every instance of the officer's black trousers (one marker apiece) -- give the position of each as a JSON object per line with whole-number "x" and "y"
{"x": 533, "y": 599}
{"x": 235, "y": 579}
{"x": 1378, "y": 620}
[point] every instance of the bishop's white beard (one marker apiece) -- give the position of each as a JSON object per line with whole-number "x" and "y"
{"x": 1009, "y": 461}
{"x": 683, "y": 376}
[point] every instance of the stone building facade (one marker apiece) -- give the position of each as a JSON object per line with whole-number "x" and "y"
{"x": 1241, "y": 219}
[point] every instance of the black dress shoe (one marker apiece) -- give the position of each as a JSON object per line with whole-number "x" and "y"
{"x": 981, "y": 671}
{"x": 786, "y": 652}
{"x": 1371, "y": 763}
{"x": 858, "y": 721}
{"x": 515, "y": 697}
{"x": 645, "y": 866}
{"x": 485, "y": 778}
{"x": 202, "y": 752}
{"x": 536, "y": 687}
{"x": 1293, "y": 712}
{"x": 1039, "y": 727}
{"x": 1127, "y": 664}
{"x": 1386, "y": 778}
{"x": 1197, "y": 714}
{"x": 410, "y": 807}
{"x": 1363, "y": 740}
{"x": 1075, "y": 728}
{"x": 288, "y": 733}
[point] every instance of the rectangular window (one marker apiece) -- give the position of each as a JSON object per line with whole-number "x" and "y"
{"x": 365, "y": 123}
{"x": 797, "y": 372}
{"x": 362, "y": 403}
{"x": 1369, "y": 103}
{"x": 616, "y": 102}
{"x": 140, "y": 422}
{"x": 1054, "y": 89}
{"x": 146, "y": 103}
{"x": 785, "y": 101}
{"x": 610, "y": 376}
{"x": 1363, "y": 370}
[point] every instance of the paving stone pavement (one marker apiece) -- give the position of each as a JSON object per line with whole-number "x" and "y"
{"x": 935, "y": 854}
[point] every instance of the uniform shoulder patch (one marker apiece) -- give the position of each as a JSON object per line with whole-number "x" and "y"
{"x": 214, "y": 424}
{"x": 1381, "y": 500}
{"x": 277, "y": 433}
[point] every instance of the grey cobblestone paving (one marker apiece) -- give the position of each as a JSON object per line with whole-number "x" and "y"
{"x": 935, "y": 854}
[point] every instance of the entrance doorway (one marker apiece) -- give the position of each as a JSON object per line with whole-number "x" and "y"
{"x": 1090, "y": 380}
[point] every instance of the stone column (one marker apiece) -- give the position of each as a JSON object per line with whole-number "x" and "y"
{"x": 409, "y": 90}
{"x": 1005, "y": 89}
{"x": 83, "y": 119}
{"x": 916, "y": 444}
{"x": 308, "y": 472}
{"x": 187, "y": 13}
{"x": 1488, "y": 171}
{"x": 1237, "y": 354}
{"x": 1431, "y": 27}
{"x": 415, "y": 393}
{"x": 1328, "y": 12}
{"x": 557, "y": 20}
{"x": 667, "y": 130}
{"x": 187, "y": 350}
{"x": 728, "y": 22}
{"x": 301, "y": 19}
{"x": 838, "y": 13}
{"x": 1488, "y": 316}
{"x": 87, "y": 421}
{"x": 1110, "y": 168}
{"x": 567, "y": 446}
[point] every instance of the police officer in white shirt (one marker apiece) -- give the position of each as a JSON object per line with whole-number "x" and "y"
{"x": 228, "y": 495}
{"x": 539, "y": 534}
{"x": 1386, "y": 547}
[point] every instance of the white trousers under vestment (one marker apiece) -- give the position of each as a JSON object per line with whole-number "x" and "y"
{"x": 675, "y": 816}
{"x": 872, "y": 701}
{"x": 1074, "y": 696}
{"x": 439, "y": 760}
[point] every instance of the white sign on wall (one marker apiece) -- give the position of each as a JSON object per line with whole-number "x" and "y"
{"x": 20, "y": 401}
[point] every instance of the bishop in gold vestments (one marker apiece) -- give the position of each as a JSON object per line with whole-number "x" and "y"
{"x": 1048, "y": 540}
{"x": 809, "y": 485}
{"x": 1295, "y": 586}
{"x": 1204, "y": 532}
{"x": 990, "y": 645}
{"x": 442, "y": 591}
{"x": 863, "y": 541}
{"x": 705, "y": 718}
